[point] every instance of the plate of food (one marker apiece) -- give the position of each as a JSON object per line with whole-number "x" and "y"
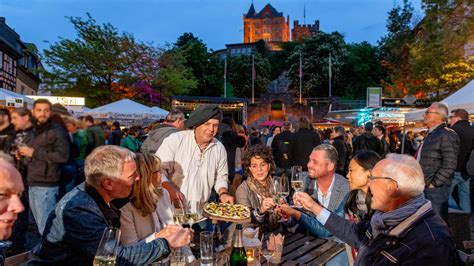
{"x": 227, "y": 212}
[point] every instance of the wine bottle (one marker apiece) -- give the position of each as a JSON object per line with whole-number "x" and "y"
{"x": 238, "y": 257}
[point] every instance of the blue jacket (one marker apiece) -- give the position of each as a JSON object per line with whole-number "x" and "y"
{"x": 421, "y": 239}
{"x": 314, "y": 226}
{"x": 75, "y": 227}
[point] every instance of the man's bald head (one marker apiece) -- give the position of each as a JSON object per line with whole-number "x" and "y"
{"x": 11, "y": 188}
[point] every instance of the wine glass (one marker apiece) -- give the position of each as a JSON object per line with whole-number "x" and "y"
{"x": 106, "y": 253}
{"x": 268, "y": 246}
{"x": 179, "y": 215}
{"x": 285, "y": 187}
{"x": 276, "y": 190}
{"x": 297, "y": 179}
{"x": 193, "y": 212}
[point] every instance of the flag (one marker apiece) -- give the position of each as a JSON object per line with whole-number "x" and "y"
{"x": 253, "y": 67}
{"x": 301, "y": 67}
{"x": 225, "y": 68}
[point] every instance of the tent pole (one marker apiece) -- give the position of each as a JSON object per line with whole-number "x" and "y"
{"x": 403, "y": 137}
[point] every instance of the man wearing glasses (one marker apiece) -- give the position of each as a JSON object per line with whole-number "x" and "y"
{"x": 459, "y": 122}
{"x": 438, "y": 157}
{"x": 404, "y": 230}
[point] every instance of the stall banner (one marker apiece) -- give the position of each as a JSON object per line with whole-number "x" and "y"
{"x": 13, "y": 102}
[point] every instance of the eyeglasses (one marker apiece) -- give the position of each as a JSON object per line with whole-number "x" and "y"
{"x": 371, "y": 178}
{"x": 430, "y": 112}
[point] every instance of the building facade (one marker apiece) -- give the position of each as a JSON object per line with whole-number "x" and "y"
{"x": 10, "y": 51}
{"x": 268, "y": 25}
{"x": 299, "y": 32}
{"x": 20, "y": 67}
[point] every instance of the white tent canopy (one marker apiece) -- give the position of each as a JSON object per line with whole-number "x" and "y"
{"x": 4, "y": 94}
{"x": 158, "y": 111}
{"x": 126, "y": 109}
{"x": 462, "y": 99}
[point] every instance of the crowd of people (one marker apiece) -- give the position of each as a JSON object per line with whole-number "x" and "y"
{"x": 385, "y": 194}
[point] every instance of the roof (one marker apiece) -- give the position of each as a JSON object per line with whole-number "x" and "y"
{"x": 268, "y": 9}
{"x": 251, "y": 13}
{"x": 211, "y": 99}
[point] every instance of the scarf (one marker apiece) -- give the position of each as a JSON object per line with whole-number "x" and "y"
{"x": 264, "y": 191}
{"x": 383, "y": 222}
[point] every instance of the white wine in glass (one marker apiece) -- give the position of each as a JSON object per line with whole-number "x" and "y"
{"x": 108, "y": 246}
{"x": 296, "y": 178}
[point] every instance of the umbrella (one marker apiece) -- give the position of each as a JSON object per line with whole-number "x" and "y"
{"x": 271, "y": 123}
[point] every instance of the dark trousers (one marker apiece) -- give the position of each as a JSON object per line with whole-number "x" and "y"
{"x": 439, "y": 197}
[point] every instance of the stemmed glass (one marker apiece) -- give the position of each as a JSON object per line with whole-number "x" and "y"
{"x": 276, "y": 190}
{"x": 297, "y": 179}
{"x": 193, "y": 213}
{"x": 284, "y": 185}
{"x": 108, "y": 246}
{"x": 267, "y": 246}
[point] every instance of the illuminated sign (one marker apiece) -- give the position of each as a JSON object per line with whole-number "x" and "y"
{"x": 66, "y": 101}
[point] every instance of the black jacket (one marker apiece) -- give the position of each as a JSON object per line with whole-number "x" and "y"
{"x": 466, "y": 137}
{"x": 301, "y": 145}
{"x": 51, "y": 148}
{"x": 439, "y": 156}
{"x": 422, "y": 239}
{"x": 23, "y": 137}
{"x": 367, "y": 141}
{"x": 231, "y": 142}
{"x": 115, "y": 137}
{"x": 340, "y": 145}
{"x": 6, "y": 138}
{"x": 281, "y": 148}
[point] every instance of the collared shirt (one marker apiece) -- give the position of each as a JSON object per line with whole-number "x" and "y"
{"x": 324, "y": 200}
{"x": 195, "y": 172}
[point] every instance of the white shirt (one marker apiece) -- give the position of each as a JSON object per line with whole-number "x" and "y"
{"x": 199, "y": 171}
{"x": 321, "y": 198}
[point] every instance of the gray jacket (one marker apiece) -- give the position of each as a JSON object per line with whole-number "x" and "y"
{"x": 156, "y": 137}
{"x": 339, "y": 191}
{"x": 439, "y": 156}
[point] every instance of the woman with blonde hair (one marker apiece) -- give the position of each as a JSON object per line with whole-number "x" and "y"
{"x": 149, "y": 209}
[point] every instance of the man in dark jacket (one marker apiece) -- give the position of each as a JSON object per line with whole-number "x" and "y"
{"x": 227, "y": 134}
{"x": 438, "y": 157}
{"x": 7, "y": 131}
{"x": 404, "y": 230}
{"x": 302, "y": 143}
{"x": 95, "y": 134}
{"x": 459, "y": 121}
{"x": 116, "y": 134}
{"x": 22, "y": 120}
{"x": 51, "y": 148}
{"x": 174, "y": 122}
{"x": 337, "y": 137}
{"x": 281, "y": 149}
{"x": 367, "y": 141}
{"x": 77, "y": 223}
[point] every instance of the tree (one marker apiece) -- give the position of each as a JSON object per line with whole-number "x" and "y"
{"x": 174, "y": 78}
{"x": 439, "y": 51}
{"x": 361, "y": 69}
{"x": 207, "y": 69}
{"x": 395, "y": 51}
{"x": 315, "y": 57}
{"x": 100, "y": 64}
{"x": 240, "y": 75}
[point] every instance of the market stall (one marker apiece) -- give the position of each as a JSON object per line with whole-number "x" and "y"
{"x": 127, "y": 111}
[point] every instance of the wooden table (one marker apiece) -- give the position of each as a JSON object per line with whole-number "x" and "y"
{"x": 318, "y": 252}
{"x": 296, "y": 252}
